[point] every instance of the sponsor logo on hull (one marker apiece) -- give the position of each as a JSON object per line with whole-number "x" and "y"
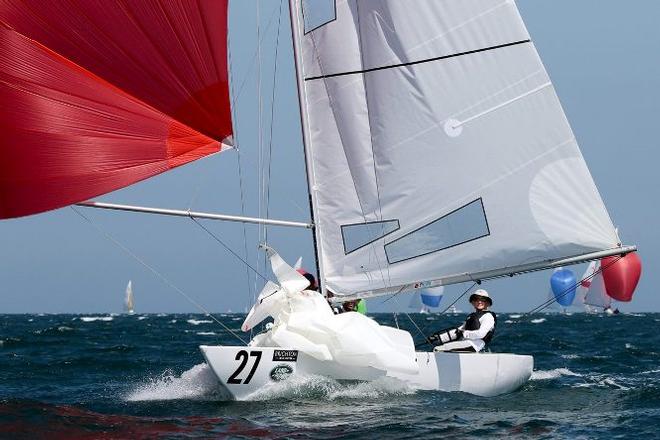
{"x": 281, "y": 372}
{"x": 285, "y": 355}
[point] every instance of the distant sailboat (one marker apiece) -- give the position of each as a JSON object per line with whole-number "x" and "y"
{"x": 427, "y": 301}
{"x": 128, "y": 301}
{"x": 594, "y": 293}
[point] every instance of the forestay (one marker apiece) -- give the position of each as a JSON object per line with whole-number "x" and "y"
{"x": 437, "y": 145}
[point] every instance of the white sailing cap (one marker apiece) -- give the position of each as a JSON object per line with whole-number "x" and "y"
{"x": 481, "y": 293}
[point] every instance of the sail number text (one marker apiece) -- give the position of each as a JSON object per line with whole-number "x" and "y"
{"x": 243, "y": 357}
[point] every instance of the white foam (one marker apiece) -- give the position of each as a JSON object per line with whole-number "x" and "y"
{"x": 96, "y": 318}
{"x": 198, "y": 322}
{"x": 508, "y": 321}
{"x": 570, "y": 356}
{"x": 384, "y": 386}
{"x": 538, "y": 320}
{"x": 606, "y": 382}
{"x": 515, "y": 316}
{"x": 650, "y": 372}
{"x": 196, "y": 383}
{"x": 140, "y": 318}
{"x": 553, "y": 374}
{"x": 206, "y": 333}
{"x": 329, "y": 389}
{"x": 173, "y": 321}
{"x": 610, "y": 382}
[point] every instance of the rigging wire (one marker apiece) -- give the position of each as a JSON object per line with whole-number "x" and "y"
{"x": 247, "y": 265}
{"x": 272, "y": 118}
{"x": 461, "y": 296}
{"x": 550, "y": 301}
{"x": 426, "y": 340}
{"x": 253, "y": 61}
{"x": 157, "y": 273}
{"x": 418, "y": 329}
{"x": 234, "y": 98}
{"x": 259, "y": 142}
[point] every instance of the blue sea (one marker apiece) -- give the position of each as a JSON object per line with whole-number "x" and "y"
{"x": 142, "y": 376}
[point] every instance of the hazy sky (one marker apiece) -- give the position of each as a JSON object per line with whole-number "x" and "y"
{"x": 602, "y": 55}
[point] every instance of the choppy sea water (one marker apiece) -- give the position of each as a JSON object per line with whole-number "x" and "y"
{"x": 142, "y": 376}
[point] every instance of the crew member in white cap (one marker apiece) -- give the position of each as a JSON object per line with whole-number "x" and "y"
{"x": 475, "y": 333}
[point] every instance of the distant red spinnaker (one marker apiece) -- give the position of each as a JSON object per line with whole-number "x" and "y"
{"x": 621, "y": 276}
{"x": 100, "y": 94}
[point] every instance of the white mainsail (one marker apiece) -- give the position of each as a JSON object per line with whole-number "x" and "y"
{"x": 437, "y": 149}
{"x": 128, "y": 301}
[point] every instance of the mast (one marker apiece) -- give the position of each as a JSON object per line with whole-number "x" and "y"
{"x": 294, "y": 13}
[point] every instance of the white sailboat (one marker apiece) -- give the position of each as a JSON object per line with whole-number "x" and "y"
{"x": 128, "y": 300}
{"x": 427, "y": 301}
{"x": 425, "y": 129}
{"x": 592, "y": 291}
{"x": 436, "y": 151}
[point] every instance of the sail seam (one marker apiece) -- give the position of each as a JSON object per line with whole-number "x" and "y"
{"x": 412, "y": 63}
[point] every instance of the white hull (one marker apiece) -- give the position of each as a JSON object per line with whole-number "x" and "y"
{"x": 244, "y": 370}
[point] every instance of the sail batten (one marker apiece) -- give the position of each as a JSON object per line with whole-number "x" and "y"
{"x": 412, "y": 63}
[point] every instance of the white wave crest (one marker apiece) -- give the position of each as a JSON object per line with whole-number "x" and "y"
{"x": 553, "y": 374}
{"x": 570, "y": 356}
{"x": 198, "y": 322}
{"x": 516, "y": 316}
{"x": 538, "y": 320}
{"x": 206, "y": 333}
{"x": 196, "y": 383}
{"x": 140, "y": 318}
{"x": 96, "y": 318}
{"x": 306, "y": 386}
{"x": 606, "y": 382}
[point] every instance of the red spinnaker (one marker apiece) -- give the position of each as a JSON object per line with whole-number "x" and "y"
{"x": 99, "y": 94}
{"x": 621, "y": 275}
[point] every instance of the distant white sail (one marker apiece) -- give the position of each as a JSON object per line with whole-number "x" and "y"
{"x": 437, "y": 145}
{"x": 128, "y": 301}
{"x": 594, "y": 289}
